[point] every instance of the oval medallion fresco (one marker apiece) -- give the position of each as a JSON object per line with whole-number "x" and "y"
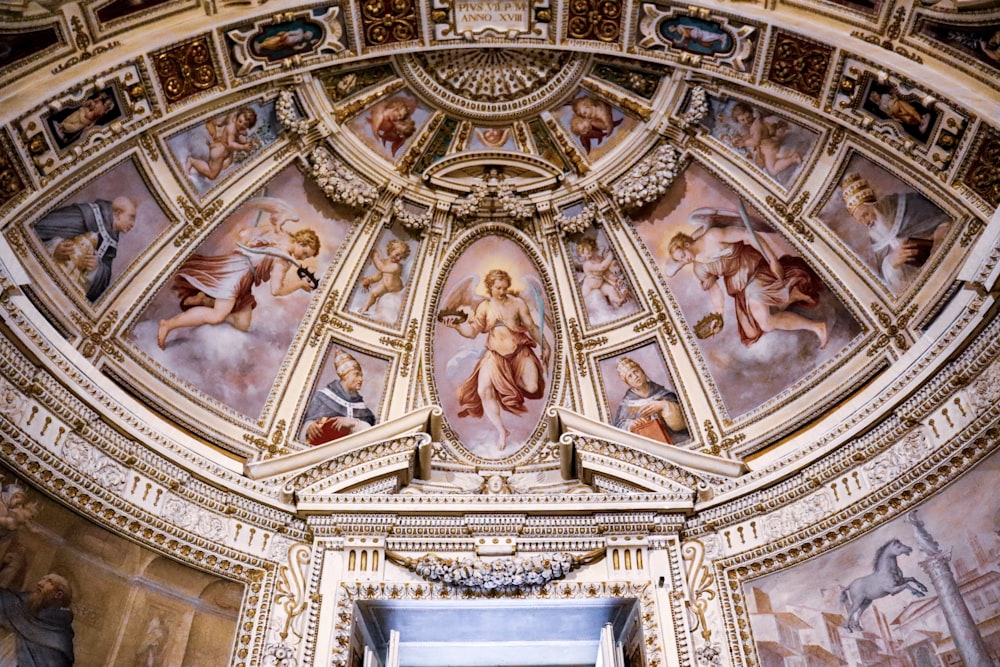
{"x": 493, "y": 347}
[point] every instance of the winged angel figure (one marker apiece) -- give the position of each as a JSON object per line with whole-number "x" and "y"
{"x": 509, "y": 371}
{"x": 724, "y": 246}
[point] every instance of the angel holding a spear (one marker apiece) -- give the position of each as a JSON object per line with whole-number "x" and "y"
{"x": 213, "y": 289}
{"x": 737, "y": 261}
{"x": 509, "y": 370}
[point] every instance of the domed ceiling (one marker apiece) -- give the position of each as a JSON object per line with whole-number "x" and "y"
{"x": 724, "y": 228}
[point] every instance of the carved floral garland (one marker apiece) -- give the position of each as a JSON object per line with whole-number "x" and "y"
{"x": 649, "y": 179}
{"x": 696, "y": 109}
{"x": 501, "y": 575}
{"x": 412, "y": 221}
{"x": 515, "y": 206}
{"x": 579, "y": 222}
{"x": 338, "y": 182}
{"x": 284, "y": 108}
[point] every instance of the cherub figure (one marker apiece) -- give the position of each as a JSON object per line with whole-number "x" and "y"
{"x": 598, "y": 273}
{"x": 84, "y": 117}
{"x": 15, "y": 511}
{"x": 763, "y": 139}
{"x": 494, "y": 137}
{"x": 592, "y": 120}
{"x": 389, "y": 277}
{"x": 900, "y": 110}
{"x": 297, "y": 39}
{"x": 391, "y": 122}
{"x": 683, "y": 35}
{"x": 227, "y": 135}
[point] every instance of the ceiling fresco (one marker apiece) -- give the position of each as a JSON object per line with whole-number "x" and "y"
{"x": 756, "y": 214}
{"x": 311, "y": 307}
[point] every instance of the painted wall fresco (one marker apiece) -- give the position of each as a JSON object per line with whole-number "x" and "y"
{"x": 340, "y": 84}
{"x": 21, "y": 44}
{"x": 492, "y": 378}
{"x": 641, "y": 394}
{"x": 698, "y": 36}
{"x": 381, "y": 291}
{"x": 389, "y": 125}
{"x": 224, "y": 321}
{"x": 347, "y": 396}
{"x": 800, "y": 616}
{"x": 600, "y": 278}
{"x": 979, "y": 42}
{"x": 492, "y": 139}
{"x": 85, "y": 259}
{"x": 893, "y": 228}
{"x": 74, "y": 123}
{"x": 117, "y": 9}
{"x": 889, "y": 103}
{"x": 758, "y": 333}
{"x": 211, "y": 150}
{"x": 98, "y": 598}
{"x": 283, "y": 40}
{"x": 596, "y": 126}
{"x": 866, "y": 6}
{"x": 770, "y": 142}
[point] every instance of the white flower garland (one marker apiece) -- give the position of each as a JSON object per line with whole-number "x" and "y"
{"x": 338, "y": 182}
{"x": 578, "y": 223}
{"x": 516, "y": 207}
{"x": 411, "y": 220}
{"x": 696, "y": 109}
{"x": 289, "y": 118}
{"x": 649, "y": 179}
{"x": 501, "y": 575}
{"x": 468, "y": 206}
{"x": 513, "y": 205}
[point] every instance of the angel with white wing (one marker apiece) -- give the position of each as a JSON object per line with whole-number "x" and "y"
{"x": 728, "y": 257}
{"x": 509, "y": 370}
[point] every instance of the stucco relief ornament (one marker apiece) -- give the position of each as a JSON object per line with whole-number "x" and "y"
{"x": 649, "y": 179}
{"x": 504, "y": 575}
{"x": 288, "y": 115}
{"x": 192, "y": 518}
{"x": 985, "y": 390}
{"x": 913, "y": 448}
{"x": 410, "y": 220}
{"x": 803, "y": 513}
{"x": 338, "y": 182}
{"x": 85, "y": 459}
{"x": 12, "y": 402}
{"x": 578, "y": 223}
{"x": 491, "y": 185}
{"x": 697, "y": 108}
{"x": 279, "y": 655}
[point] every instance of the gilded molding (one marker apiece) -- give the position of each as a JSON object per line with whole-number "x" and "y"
{"x": 658, "y": 319}
{"x": 799, "y": 64}
{"x": 290, "y": 590}
{"x": 981, "y": 171}
{"x": 700, "y": 586}
{"x": 407, "y": 345}
{"x": 99, "y": 338}
{"x": 792, "y": 215}
{"x": 893, "y": 331}
{"x": 598, "y": 20}
{"x": 186, "y": 69}
{"x": 327, "y": 320}
{"x": 196, "y": 220}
